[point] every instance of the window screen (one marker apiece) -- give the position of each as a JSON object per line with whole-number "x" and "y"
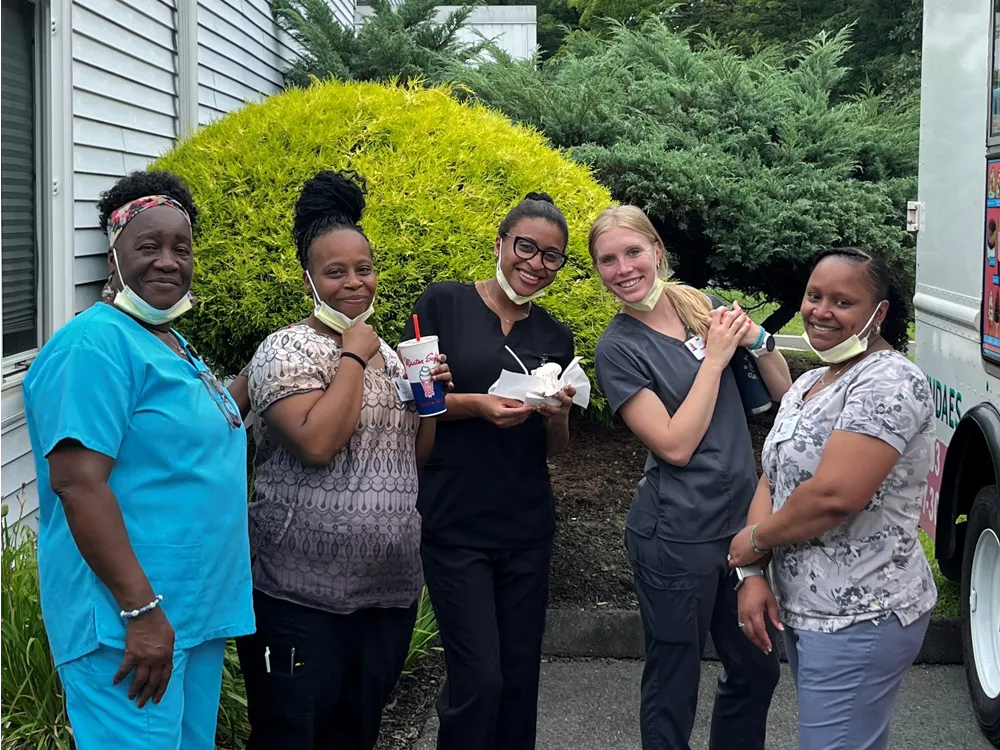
{"x": 17, "y": 176}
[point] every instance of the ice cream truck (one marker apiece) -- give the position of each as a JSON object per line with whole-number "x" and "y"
{"x": 956, "y": 217}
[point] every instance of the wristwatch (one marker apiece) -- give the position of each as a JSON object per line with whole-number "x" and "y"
{"x": 739, "y": 575}
{"x": 763, "y": 345}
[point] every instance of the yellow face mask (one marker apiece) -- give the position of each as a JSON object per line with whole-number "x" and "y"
{"x": 513, "y": 296}
{"x": 648, "y": 302}
{"x": 847, "y": 349}
{"x": 128, "y": 301}
{"x": 335, "y": 319}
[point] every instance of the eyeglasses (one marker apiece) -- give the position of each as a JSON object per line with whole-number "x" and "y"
{"x": 215, "y": 389}
{"x": 221, "y": 398}
{"x": 526, "y": 249}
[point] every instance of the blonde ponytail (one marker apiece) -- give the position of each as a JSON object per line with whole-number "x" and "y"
{"x": 692, "y": 306}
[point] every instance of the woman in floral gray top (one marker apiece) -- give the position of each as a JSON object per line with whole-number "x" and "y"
{"x": 837, "y": 509}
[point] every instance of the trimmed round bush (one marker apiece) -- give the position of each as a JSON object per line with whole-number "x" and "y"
{"x": 441, "y": 176}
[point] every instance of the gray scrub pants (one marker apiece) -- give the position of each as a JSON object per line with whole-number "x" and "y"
{"x": 848, "y": 682}
{"x": 684, "y": 593}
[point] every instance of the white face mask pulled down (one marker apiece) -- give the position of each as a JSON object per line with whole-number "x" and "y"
{"x": 335, "y": 319}
{"x": 513, "y": 296}
{"x": 847, "y": 349}
{"x": 129, "y": 302}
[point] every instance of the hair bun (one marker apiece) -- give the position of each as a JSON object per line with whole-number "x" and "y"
{"x": 332, "y": 193}
{"x": 544, "y": 197}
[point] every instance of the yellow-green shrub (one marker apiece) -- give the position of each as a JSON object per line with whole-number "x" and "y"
{"x": 441, "y": 175}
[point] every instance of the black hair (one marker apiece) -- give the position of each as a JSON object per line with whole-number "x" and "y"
{"x": 535, "y": 206}
{"x": 141, "y": 184}
{"x": 884, "y": 285}
{"x": 330, "y": 200}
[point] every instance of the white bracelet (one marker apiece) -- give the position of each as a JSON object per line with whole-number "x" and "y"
{"x": 142, "y": 610}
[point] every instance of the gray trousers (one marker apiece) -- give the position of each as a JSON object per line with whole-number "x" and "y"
{"x": 684, "y": 593}
{"x": 848, "y": 681}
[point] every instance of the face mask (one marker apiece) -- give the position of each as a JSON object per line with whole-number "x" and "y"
{"x": 335, "y": 319}
{"x": 513, "y": 296}
{"x": 128, "y": 301}
{"x": 648, "y": 302}
{"x": 846, "y": 349}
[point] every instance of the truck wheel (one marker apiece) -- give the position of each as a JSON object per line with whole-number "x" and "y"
{"x": 981, "y": 610}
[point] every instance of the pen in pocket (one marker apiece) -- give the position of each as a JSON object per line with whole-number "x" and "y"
{"x": 267, "y": 659}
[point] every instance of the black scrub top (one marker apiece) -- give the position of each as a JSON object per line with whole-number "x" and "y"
{"x": 484, "y": 486}
{"x": 709, "y": 498}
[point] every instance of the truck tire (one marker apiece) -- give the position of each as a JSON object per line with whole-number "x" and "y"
{"x": 981, "y": 611}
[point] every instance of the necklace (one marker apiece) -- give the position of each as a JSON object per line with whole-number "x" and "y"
{"x": 824, "y": 383}
{"x": 171, "y": 341}
{"x": 496, "y": 307}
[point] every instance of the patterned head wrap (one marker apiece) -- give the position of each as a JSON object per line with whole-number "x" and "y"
{"x": 123, "y": 215}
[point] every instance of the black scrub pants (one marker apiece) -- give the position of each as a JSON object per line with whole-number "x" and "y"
{"x": 684, "y": 593}
{"x": 490, "y": 608}
{"x": 330, "y": 695}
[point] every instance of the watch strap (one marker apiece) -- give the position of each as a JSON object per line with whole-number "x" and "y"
{"x": 766, "y": 346}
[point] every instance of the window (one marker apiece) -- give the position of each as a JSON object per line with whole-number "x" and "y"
{"x": 18, "y": 201}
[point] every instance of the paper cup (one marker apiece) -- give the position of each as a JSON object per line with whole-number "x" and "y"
{"x": 419, "y": 358}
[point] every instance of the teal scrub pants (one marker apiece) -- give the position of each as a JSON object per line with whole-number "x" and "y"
{"x": 102, "y": 716}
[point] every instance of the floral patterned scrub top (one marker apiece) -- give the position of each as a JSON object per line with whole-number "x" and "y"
{"x": 345, "y": 536}
{"x": 871, "y": 566}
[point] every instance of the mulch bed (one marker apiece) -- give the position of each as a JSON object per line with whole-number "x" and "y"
{"x": 593, "y": 482}
{"x": 411, "y": 703}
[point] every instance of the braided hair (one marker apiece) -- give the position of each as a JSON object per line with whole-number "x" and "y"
{"x": 884, "y": 286}
{"x": 535, "y": 206}
{"x": 330, "y": 200}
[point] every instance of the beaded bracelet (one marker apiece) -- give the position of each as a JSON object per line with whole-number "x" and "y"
{"x": 753, "y": 543}
{"x": 142, "y": 610}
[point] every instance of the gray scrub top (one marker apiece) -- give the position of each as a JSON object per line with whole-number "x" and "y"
{"x": 709, "y": 498}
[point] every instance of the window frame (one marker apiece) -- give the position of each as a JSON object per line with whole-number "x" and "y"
{"x": 54, "y": 224}
{"x": 15, "y": 363}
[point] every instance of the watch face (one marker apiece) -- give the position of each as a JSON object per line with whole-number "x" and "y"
{"x": 736, "y": 577}
{"x": 769, "y": 343}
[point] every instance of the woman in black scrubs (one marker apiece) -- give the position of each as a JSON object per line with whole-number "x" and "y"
{"x": 485, "y": 498}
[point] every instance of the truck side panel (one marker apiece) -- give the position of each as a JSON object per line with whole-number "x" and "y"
{"x": 954, "y": 113}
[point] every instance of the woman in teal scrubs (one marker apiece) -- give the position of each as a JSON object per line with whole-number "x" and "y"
{"x": 140, "y": 454}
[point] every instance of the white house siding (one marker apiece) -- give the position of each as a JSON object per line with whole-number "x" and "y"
{"x": 241, "y": 55}
{"x": 124, "y": 112}
{"x": 512, "y": 27}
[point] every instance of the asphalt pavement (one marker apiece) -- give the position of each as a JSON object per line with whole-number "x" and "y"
{"x": 593, "y": 705}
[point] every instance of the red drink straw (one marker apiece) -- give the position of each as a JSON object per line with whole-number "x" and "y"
{"x": 416, "y": 326}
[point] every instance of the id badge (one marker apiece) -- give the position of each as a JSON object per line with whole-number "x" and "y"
{"x": 403, "y": 389}
{"x": 786, "y": 428}
{"x": 696, "y": 345}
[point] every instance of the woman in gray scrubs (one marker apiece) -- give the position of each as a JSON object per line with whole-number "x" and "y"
{"x": 663, "y": 364}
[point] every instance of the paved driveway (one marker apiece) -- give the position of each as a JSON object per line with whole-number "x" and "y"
{"x": 593, "y": 705}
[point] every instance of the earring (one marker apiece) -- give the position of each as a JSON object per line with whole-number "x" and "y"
{"x": 108, "y": 292}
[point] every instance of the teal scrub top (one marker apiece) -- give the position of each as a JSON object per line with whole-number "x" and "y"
{"x": 180, "y": 476}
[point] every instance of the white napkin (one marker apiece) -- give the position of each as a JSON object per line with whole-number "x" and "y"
{"x": 530, "y": 389}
